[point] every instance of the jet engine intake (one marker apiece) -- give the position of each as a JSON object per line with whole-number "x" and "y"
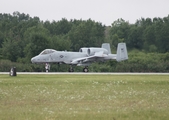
{"x": 83, "y": 50}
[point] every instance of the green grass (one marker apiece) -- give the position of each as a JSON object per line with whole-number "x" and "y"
{"x": 84, "y": 97}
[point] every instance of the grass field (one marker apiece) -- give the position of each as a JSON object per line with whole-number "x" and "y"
{"x": 84, "y": 97}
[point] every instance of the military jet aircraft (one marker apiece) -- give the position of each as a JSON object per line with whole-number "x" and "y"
{"x": 84, "y": 57}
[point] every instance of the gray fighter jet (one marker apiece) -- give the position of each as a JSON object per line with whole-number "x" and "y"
{"x": 84, "y": 57}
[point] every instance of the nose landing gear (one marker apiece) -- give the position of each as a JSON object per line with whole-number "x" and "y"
{"x": 47, "y": 67}
{"x": 85, "y": 69}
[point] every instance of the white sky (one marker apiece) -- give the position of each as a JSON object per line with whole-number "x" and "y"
{"x": 104, "y": 11}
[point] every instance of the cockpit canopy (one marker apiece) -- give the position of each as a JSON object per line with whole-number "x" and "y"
{"x": 47, "y": 51}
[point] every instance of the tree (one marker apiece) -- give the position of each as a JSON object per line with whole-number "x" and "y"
{"x": 119, "y": 32}
{"x": 134, "y": 39}
{"x": 61, "y": 27}
{"x": 37, "y": 39}
{"x": 10, "y": 48}
{"x": 60, "y": 42}
{"x": 86, "y": 34}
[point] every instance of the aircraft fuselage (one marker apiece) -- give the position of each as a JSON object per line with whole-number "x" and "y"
{"x": 58, "y": 57}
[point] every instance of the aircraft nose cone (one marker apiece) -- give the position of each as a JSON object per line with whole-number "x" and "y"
{"x": 33, "y": 60}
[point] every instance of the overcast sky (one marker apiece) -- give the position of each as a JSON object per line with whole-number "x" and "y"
{"x": 104, "y": 11}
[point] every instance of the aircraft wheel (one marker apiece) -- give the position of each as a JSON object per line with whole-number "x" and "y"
{"x": 85, "y": 70}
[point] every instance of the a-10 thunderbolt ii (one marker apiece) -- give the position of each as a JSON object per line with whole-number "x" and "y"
{"x": 84, "y": 57}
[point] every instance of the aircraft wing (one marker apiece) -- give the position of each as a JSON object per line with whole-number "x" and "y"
{"x": 85, "y": 59}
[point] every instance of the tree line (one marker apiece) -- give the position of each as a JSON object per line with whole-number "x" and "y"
{"x": 23, "y": 36}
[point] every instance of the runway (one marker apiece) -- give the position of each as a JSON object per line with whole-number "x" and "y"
{"x": 89, "y": 73}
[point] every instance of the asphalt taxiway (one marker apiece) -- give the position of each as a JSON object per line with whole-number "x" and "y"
{"x": 89, "y": 73}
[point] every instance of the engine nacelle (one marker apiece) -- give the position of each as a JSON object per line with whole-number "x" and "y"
{"x": 92, "y": 51}
{"x": 83, "y": 50}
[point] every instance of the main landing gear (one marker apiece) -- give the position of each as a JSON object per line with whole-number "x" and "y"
{"x": 71, "y": 69}
{"x": 84, "y": 69}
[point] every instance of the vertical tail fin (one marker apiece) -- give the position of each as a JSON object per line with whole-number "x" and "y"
{"x": 107, "y": 47}
{"x": 122, "y": 52}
